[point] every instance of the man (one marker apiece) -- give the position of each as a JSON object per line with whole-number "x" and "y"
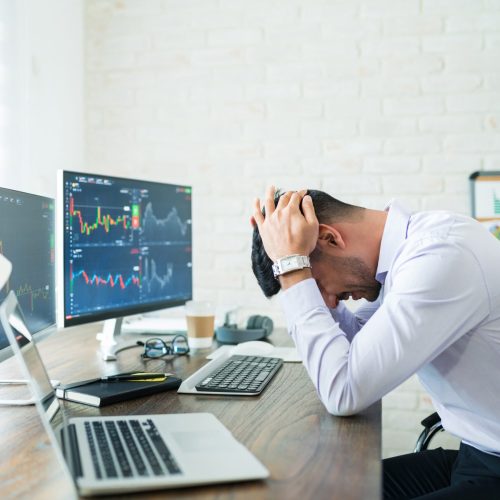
{"x": 432, "y": 282}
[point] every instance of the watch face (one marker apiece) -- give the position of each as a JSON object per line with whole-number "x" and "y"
{"x": 289, "y": 264}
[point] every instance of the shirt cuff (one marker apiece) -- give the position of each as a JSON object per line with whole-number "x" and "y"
{"x": 299, "y": 299}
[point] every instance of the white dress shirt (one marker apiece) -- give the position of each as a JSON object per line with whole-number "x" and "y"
{"x": 437, "y": 315}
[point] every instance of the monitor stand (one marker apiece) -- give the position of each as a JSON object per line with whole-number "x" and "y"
{"x": 109, "y": 343}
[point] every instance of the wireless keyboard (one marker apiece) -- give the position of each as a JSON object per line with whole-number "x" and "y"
{"x": 241, "y": 374}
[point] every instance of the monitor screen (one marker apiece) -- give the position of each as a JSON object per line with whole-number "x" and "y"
{"x": 27, "y": 240}
{"x": 127, "y": 246}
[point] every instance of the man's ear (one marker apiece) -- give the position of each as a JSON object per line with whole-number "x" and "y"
{"x": 329, "y": 238}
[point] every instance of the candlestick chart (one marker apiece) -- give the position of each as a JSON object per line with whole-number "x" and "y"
{"x": 126, "y": 243}
{"x": 27, "y": 240}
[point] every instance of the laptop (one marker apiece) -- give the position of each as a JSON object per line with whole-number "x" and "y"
{"x": 123, "y": 454}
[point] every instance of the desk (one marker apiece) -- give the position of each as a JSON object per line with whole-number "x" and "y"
{"x": 310, "y": 454}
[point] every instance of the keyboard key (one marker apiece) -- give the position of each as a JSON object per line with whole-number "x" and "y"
{"x": 132, "y": 448}
{"x": 146, "y": 448}
{"x": 103, "y": 446}
{"x": 93, "y": 450}
{"x": 119, "y": 449}
{"x": 162, "y": 449}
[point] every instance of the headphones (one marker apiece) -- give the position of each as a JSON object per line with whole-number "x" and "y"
{"x": 258, "y": 327}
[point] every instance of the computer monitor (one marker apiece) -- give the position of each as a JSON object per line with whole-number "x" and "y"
{"x": 126, "y": 249}
{"x": 27, "y": 241}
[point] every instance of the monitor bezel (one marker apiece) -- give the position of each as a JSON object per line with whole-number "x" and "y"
{"x": 64, "y": 322}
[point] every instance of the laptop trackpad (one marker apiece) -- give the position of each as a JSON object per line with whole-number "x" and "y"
{"x": 196, "y": 441}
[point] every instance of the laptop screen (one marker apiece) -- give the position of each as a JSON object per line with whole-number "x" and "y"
{"x": 48, "y": 406}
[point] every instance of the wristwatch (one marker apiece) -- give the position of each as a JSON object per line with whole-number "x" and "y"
{"x": 290, "y": 263}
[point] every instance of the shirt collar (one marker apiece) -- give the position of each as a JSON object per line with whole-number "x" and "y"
{"x": 395, "y": 232}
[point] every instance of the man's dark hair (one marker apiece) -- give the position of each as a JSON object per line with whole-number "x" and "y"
{"x": 328, "y": 210}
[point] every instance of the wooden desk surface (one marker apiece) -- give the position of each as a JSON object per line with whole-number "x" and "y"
{"x": 309, "y": 453}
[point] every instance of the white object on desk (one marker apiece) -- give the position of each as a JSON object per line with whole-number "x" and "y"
{"x": 258, "y": 348}
{"x": 157, "y": 326}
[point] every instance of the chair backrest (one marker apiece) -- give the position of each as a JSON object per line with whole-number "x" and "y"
{"x": 432, "y": 425}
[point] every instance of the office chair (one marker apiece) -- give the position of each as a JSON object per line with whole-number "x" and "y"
{"x": 432, "y": 425}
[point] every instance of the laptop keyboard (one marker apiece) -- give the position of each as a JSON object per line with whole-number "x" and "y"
{"x": 241, "y": 374}
{"x": 128, "y": 448}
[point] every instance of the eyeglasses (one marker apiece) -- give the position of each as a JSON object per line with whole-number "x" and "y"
{"x": 156, "y": 348}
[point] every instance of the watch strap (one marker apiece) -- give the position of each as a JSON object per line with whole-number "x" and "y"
{"x": 289, "y": 264}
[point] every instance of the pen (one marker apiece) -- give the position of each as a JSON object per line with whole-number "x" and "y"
{"x": 137, "y": 377}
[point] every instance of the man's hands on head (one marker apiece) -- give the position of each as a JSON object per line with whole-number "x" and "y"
{"x": 285, "y": 230}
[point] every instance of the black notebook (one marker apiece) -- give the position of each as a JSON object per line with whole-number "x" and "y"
{"x": 99, "y": 393}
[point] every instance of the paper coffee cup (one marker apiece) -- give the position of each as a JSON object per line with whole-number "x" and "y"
{"x": 200, "y": 319}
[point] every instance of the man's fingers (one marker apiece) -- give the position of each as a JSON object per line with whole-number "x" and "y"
{"x": 295, "y": 200}
{"x": 308, "y": 209}
{"x": 258, "y": 218}
{"x": 270, "y": 200}
{"x": 284, "y": 199}
{"x": 291, "y": 199}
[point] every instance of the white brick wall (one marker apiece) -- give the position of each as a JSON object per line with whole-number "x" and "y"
{"x": 41, "y": 92}
{"x": 367, "y": 100}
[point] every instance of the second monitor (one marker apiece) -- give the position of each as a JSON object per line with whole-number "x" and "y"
{"x": 27, "y": 240}
{"x": 126, "y": 246}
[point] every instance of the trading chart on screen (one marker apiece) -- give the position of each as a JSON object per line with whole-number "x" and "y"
{"x": 27, "y": 240}
{"x": 127, "y": 243}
